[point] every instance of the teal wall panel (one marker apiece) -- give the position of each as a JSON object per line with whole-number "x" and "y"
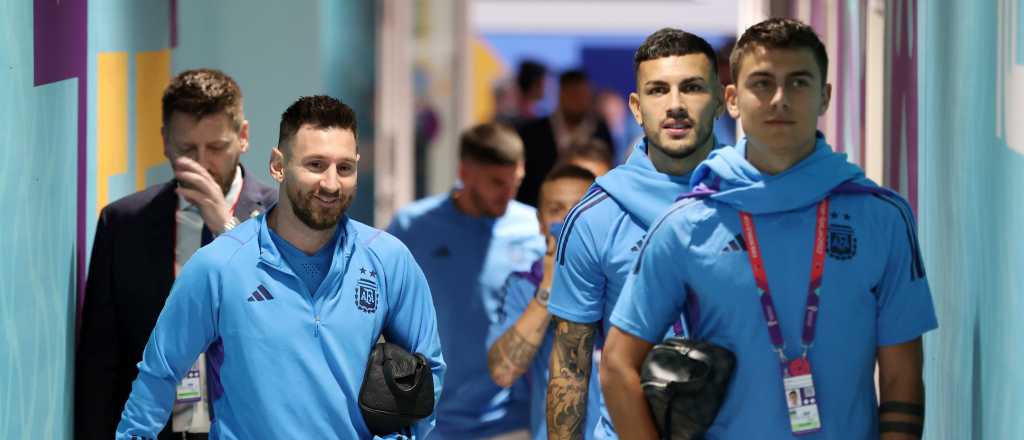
{"x": 38, "y": 132}
{"x": 970, "y": 215}
{"x": 280, "y": 51}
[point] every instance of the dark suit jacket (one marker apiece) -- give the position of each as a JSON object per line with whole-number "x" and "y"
{"x": 541, "y": 153}
{"x": 130, "y": 276}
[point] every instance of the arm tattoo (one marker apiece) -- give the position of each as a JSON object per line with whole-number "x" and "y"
{"x": 570, "y": 378}
{"x": 511, "y": 355}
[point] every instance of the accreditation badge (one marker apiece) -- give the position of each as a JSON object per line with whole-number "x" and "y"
{"x": 190, "y": 389}
{"x": 800, "y": 398}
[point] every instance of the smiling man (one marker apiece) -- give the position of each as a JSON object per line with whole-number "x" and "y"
{"x": 291, "y": 303}
{"x": 676, "y": 101}
{"x": 792, "y": 259}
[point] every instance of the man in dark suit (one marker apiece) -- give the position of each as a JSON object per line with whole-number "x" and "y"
{"x": 573, "y": 123}
{"x": 143, "y": 240}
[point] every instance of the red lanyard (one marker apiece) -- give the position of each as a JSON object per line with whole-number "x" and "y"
{"x": 771, "y": 317}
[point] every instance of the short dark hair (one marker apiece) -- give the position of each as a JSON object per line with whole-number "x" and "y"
{"x": 491, "y": 143}
{"x": 319, "y": 111}
{"x": 530, "y": 72}
{"x": 779, "y": 33}
{"x": 668, "y": 42}
{"x": 593, "y": 149}
{"x": 572, "y": 77}
{"x": 567, "y": 171}
{"x": 203, "y": 92}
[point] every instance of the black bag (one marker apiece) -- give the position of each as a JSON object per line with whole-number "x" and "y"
{"x": 397, "y": 389}
{"x": 685, "y": 383}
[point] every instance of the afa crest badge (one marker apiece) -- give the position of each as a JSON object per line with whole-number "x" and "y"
{"x": 842, "y": 243}
{"x": 366, "y": 291}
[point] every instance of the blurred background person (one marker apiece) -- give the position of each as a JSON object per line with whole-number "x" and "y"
{"x": 519, "y": 341}
{"x": 468, "y": 241}
{"x": 574, "y": 121}
{"x": 593, "y": 156}
{"x": 516, "y": 101}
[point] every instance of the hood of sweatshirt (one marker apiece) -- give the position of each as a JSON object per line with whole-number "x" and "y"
{"x": 640, "y": 189}
{"x": 737, "y": 183}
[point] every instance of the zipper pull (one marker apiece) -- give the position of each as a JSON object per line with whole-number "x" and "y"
{"x": 316, "y": 327}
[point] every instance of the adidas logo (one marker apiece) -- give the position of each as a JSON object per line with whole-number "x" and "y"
{"x": 636, "y": 247}
{"x": 442, "y": 251}
{"x": 260, "y": 294}
{"x": 639, "y": 244}
{"x": 737, "y": 244}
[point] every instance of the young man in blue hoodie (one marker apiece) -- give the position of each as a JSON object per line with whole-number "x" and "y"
{"x": 519, "y": 340}
{"x": 289, "y": 305}
{"x": 468, "y": 242}
{"x": 676, "y": 101}
{"x": 789, "y": 257}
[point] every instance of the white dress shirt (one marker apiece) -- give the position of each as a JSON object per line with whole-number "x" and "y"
{"x": 195, "y": 416}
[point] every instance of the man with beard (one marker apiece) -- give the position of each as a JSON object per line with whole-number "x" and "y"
{"x": 468, "y": 242}
{"x": 293, "y": 301}
{"x": 676, "y": 101}
{"x": 547, "y": 139}
{"x": 144, "y": 239}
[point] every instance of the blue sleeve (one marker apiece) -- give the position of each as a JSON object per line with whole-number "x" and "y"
{"x": 578, "y": 287}
{"x": 905, "y": 309}
{"x": 654, "y": 294}
{"x": 516, "y": 294}
{"x": 185, "y": 328}
{"x": 412, "y": 322}
{"x": 398, "y": 226}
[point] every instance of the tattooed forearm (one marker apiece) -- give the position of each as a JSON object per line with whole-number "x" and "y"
{"x": 510, "y": 357}
{"x": 570, "y": 378}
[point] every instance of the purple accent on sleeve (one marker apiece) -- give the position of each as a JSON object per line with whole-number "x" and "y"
{"x": 60, "y": 52}
{"x": 256, "y": 294}
{"x": 692, "y": 309}
{"x": 214, "y": 360}
{"x": 265, "y": 292}
{"x": 536, "y": 273}
{"x": 857, "y": 188}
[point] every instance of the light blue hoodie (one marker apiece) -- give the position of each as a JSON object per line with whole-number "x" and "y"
{"x": 601, "y": 239}
{"x": 290, "y": 361}
{"x": 874, "y": 292}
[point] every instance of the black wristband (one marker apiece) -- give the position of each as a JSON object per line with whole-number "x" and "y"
{"x": 909, "y": 408}
{"x": 901, "y": 428}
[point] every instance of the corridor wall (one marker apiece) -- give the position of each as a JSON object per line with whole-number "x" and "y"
{"x": 971, "y": 173}
{"x": 40, "y": 135}
{"x": 278, "y": 52}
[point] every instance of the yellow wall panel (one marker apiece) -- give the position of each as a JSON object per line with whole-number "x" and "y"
{"x": 111, "y": 121}
{"x": 487, "y": 68}
{"x": 153, "y": 73}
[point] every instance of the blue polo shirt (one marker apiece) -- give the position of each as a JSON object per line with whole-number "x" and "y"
{"x": 466, "y": 261}
{"x": 599, "y": 242}
{"x": 874, "y": 291}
